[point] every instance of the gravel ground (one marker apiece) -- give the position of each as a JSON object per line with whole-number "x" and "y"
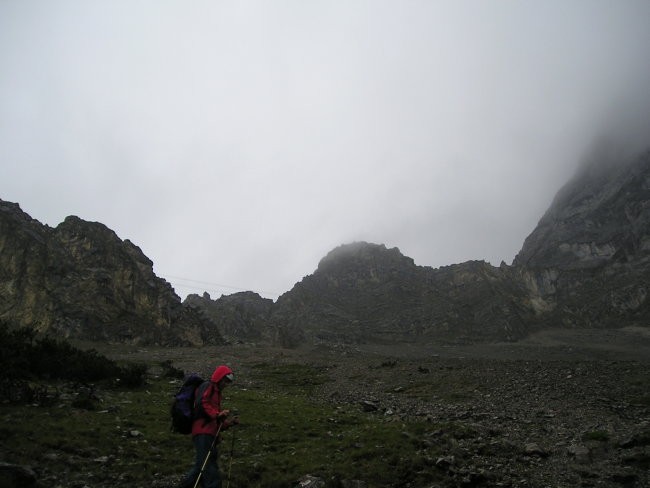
{"x": 561, "y": 409}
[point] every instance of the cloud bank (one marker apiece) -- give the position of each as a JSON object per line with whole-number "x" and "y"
{"x": 238, "y": 142}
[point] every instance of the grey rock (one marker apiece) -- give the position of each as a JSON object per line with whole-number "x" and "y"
{"x": 581, "y": 453}
{"x": 240, "y": 317}
{"x": 636, "y": 439}
{"x": 369, "y": 406}
{"x": 533, "y": 449}
{"x": 445, "y": 462}
{"x": 309, "y": 481}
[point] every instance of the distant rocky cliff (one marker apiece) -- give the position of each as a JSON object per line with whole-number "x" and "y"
{"x": 366, "y": 292}
{"x": 241, "y": 316}
{"x": 600, "y": 217}
{"x": 81, "y": 280}
{"x": 587, "y": 264}
{"x": 588, "y": 260}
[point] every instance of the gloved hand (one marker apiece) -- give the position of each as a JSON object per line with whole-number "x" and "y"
{"x": 230, "y": 422}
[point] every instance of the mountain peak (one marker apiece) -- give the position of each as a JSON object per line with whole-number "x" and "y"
{"x": 362, "y": 253}
{"x": 599, "y": 215}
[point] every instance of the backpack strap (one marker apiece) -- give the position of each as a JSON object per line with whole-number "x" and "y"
{"x": 198, "y": 400}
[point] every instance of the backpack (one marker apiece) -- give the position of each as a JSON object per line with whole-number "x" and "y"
{"x": 182, "y": 410}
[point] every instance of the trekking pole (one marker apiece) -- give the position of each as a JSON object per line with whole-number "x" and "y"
{"x": 205, "y": 462}
{"x": 232, "y": 450}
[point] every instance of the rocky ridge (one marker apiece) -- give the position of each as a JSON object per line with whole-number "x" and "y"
{"x": 588, "y": 260}
{"x": 366, "y": 292}
{"x": 81, "y": 280}
{"x": 240, "y": 317}
{"x": 587, "y": 264}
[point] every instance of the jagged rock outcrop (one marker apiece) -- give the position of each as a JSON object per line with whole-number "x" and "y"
{"x": 239, "y": 317}
{"x": 81, "y": 280}
{"x": 601, "y": 216}
{"x": 588, "y": 260}
{"x": 587, "y": 264}
{"x": 365, "y": 292}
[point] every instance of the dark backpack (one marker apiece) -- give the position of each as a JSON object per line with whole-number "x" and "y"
{"x": 182, "y": 411}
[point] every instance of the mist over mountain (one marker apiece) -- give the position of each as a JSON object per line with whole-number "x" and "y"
{"x": 588, "y": 256}
{"x": 586, "y": 264}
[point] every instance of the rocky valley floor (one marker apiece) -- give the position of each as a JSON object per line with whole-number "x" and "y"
{"x": 561, "y": 409}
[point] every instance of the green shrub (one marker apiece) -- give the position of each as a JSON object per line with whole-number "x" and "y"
{"x": 24, "y": 356}
{"x": 171, "y": 371}
{"x": 133, "y": 375}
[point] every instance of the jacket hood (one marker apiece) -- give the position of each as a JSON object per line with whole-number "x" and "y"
{"x": 219, "y": 373}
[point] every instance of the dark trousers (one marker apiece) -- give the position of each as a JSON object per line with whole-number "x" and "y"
{"x": 211, "y": 477}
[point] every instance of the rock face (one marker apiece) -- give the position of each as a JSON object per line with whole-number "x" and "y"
{"x": 587, "y": 264}
{"x": 588, "y": 260}
{"x": 81, "y": 280}
{"x": 365, "y": 292}
{"x": 602, "y": 215}
{"x": 239, "y": 317}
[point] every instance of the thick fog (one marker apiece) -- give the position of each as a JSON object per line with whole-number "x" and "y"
{"x": 238, "y": 142}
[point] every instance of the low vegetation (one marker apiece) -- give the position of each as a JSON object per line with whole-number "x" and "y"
{"x": 123, "y": 436}
{"x": 444, "y": 422}
{"x": 26, "y": 356}
{"x": 89, "y": 420}
{"x": 286, "y": 435}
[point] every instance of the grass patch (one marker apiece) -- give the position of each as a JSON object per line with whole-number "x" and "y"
{"x": 300, "y": 378}
{"x": 124, "y": 437}
{"x": 596, "y": 435}
{"x": 284, "y": 435}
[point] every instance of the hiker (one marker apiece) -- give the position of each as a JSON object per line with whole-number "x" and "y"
{"x": 206, "y": 427}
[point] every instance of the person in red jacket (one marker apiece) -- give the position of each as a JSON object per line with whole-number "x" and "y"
{"x": 209, "y": 422}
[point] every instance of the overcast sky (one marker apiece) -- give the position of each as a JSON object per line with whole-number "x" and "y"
{"x": 238, "y": 142}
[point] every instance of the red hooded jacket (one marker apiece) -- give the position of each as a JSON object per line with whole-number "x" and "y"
{"x": 211, "y": 403}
